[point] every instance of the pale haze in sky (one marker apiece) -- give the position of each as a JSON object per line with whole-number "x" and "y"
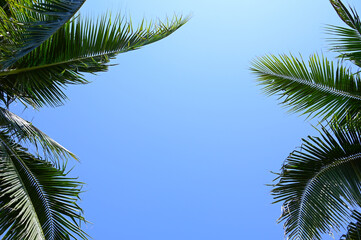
{"x": 177, "y": 141}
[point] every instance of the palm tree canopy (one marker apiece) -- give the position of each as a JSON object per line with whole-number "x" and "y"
{"x": 80, "y": 45}
{"x": 320, "y": 183}
{"x": 42, "y": 52}
{"x": 43, "y": 48}
{"x": 318, "y": 87}
{"x": 29, "y": 23}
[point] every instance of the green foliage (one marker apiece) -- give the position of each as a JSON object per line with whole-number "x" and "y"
{"x": 354, "y": 228}
{"x": 43, "y": 48}
{"x": 319, "y": 185}
{"x": 78, "y": 46}
{"x": 318, "y": 88}
{"x": 37, "y": 199}
{"x": 26, "y": 132}
{"x": 33, "y": 22}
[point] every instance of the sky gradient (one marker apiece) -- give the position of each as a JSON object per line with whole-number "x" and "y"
{"x": 177, "y": 141}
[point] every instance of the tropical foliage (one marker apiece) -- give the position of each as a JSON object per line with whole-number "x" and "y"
{"x": 320, "y": 184}
{"x": 43, "y": 48}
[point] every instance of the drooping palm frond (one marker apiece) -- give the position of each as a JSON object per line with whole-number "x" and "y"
{"x": 319, "y": 88}
{"x": 320, "y": 184}
{"x": 346, "y": 40}
{"x": 23, "y": 130}
{"x": 354, "y": 228}
{"x": 37, "y": 200}
{"x": 79, "y": 46}
{"x": 34, "y": 22}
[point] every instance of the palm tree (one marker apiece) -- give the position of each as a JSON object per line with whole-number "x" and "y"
{"x": 43, "y": 48}
{"x": 319, "y": 185}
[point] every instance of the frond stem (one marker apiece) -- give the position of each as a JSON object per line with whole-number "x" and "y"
{"x": 314, "y": 85}
{"x": 336, "y": 163}
{"x": 19, "y": 177}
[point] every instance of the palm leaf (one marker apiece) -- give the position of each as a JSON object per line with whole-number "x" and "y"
{"x": 320, "y": 184}
{"x": 23, "y": 130}
{"x": 35, "y": 22}
{"x": 37, "y": 201}
{"x": 349, "y": 17}
{"x": 346, "y": 41}
{"x": 319, "y": 88}
{"x": 354, "y": 228}
{"x": 79, "y": 46}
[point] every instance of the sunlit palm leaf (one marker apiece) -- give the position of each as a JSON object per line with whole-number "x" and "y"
{"x": 25, "y": 131}
{"x": 35, "y": 22}
{"x": 350, "y": 18}
{"x": 79, "y": 46}
{"x": 37, "y": 200}
{"x": 318, "y": 88}
{"x": 321, "y": 183}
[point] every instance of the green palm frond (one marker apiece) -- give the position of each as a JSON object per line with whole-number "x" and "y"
{"x": 320, "y": 184}
{"x": 346, "y": 41}
{"x": 37, "y": 201}
{"x": 354, "y": 228}
{"x": 34, "y": 22}
{"x": 79, "y": 46}
{"x": 23, "y": 130}
{"x": 349, "y": 17}
{"x": 319, "y": 88}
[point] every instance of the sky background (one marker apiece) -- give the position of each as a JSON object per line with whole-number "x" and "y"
{"x": 177, "y": 141}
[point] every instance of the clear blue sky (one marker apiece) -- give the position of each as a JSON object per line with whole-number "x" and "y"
{"x": 177, "y": 141}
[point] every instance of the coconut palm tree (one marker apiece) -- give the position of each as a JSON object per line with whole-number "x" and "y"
{"x": 43, "y": 48}
{"x": 319, "y": 185}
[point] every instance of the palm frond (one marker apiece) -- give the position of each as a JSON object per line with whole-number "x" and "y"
{"x": 35, "y": 22}
{"x": 349, "y": 17}
{"x": 37, "y": 201}
{"x": 320, "y": 184}
{"x": 346, "y": 40}
{"x": 79, "y": 46}
{"x": 23, "y": 130}
{"x": 354, "y": 228}
{"x": 319, "y": 88}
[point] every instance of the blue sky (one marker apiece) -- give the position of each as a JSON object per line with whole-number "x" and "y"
{"x": 177, "y": 141}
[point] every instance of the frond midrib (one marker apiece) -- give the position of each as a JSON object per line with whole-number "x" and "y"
{"x": 313, "y": 85}
{"x": 325, "y": 168}
{"x": 17, "y": 71}
{"x": 25, "y": 189}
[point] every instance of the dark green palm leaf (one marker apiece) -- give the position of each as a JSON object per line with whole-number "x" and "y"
{"x": 320, "y": 184}
{"x": 35, "y": 22}
{"x": 37, "y": 201}
{"x": 354, "y": 228}
{"x": 79, "y": 46}
{"x": 319, "y": 88}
